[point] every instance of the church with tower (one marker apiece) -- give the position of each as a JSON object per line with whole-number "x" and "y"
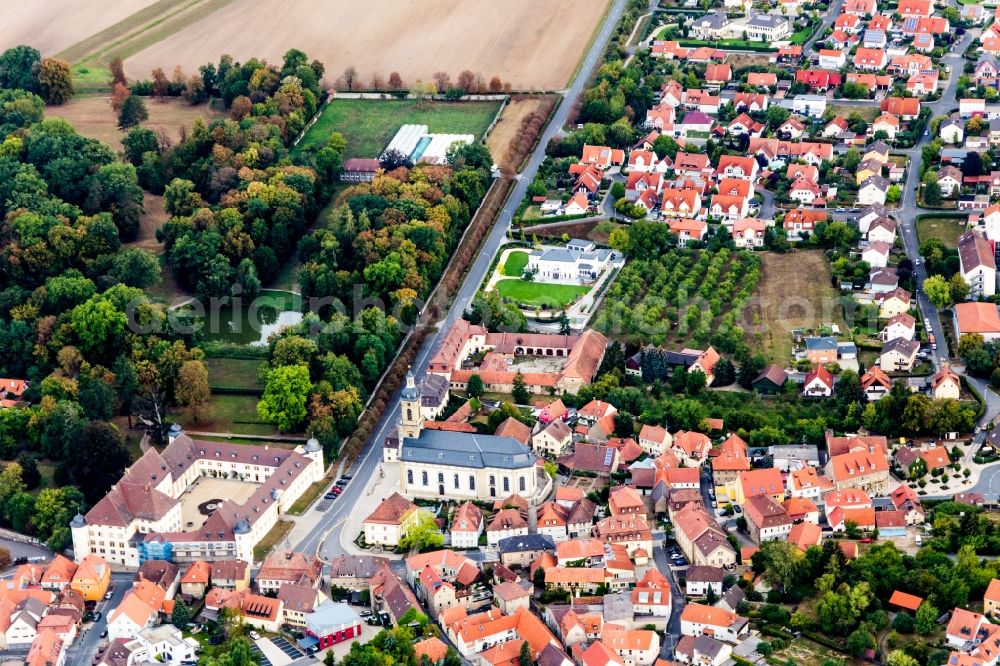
{"x": 457, "y": 465}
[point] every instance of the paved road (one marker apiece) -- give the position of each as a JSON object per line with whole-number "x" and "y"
{"x": 828, "y": 20}
{"x": 85, "y": 646}
{"x": 325, "y": 536}
{"x": 677, "y": 600}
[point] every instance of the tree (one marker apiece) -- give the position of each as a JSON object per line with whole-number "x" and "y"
{"x": 903, "y": 623}
{"x": 29, "y": 470}
{"x": 192, "y": 387}
{"x": 55, "y": 80}
{"x": 932, "y": 193}
{"x": 442, "y": 80}
{"x": 285, "y": 394}
{"x": 119, "y": 93}
{"x": 776, "y": 115}
{"x": 893, "y": 194}
{"x": 496, "y": 85}
{"x": 474, "y": 388}
{"x": 938, "y": 291}
{"x": 181, "y": 614}
{"x": 5, "y": 559}
{"x": 18, "y": 68}
{"x": 424, "y": 535}
{"x": 524, "y": 657}
{"x": 926, "y": 620}
{"x": 858, "y": 642}
{"x": 564, "y": 327}
{"x": 519, "y": 392}
{"x": 467, "y": 81}
{"x": 958, "y": 288}
{"x": 100, "y": 459}
{"x": 194, "y": 91}
{"x": 133, "y": 112}
{"x": 161, "y": 85}
{"x": 900, "y": 658}
{"x": 350, "y": 76}
{"x": 117, "y": 68}
{"x": 135, "y": 267}
{"x": 396, "y": 81}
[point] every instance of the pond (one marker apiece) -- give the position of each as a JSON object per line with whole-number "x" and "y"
{"x": 253, "y": 321}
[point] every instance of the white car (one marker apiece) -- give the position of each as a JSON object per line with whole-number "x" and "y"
{"x": 254, "y": 635}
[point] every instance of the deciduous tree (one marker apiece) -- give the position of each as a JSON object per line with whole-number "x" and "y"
{"x": 285, "y": 394}
{"x": 132, "y": 113}
{"x": 55, "y": 80}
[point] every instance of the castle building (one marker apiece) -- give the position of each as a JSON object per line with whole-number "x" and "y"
{"x": 143, "y": 517}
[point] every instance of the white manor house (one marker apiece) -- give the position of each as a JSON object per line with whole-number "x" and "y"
{"x": 580, "y": 262}
{"x": 196, "y": 501}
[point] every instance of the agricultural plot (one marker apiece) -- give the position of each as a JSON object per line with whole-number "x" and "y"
{"x": 368, "y": 125}
{"x": 93, "y": 117}
{"x": 685, "y": 298}
{"x": 785, "y": 301}
{"x": 531, "y": 44}
{"x": 54, "y": 25}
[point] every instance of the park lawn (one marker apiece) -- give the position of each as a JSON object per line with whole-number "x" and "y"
{"x": 369, "y": 124}
{"x": 230, "y": 373}
{"x": 815, "y": 303}
{"x": 227, "y": 413}
{"x": 540, "y": 293}
{"x": 514, "y": 266}
{"x": 945, "y": 229}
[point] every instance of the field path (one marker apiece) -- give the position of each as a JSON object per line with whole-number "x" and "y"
{"x": 142, "y": 29}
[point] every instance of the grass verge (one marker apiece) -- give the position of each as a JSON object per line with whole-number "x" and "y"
{"x": 271, "y": 539}
{"x": 308, "y": 497}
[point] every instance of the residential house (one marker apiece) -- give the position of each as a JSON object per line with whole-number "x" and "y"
{"x": 818, "y": 383}
{"x": 899, "y": 355}
{"x": 977, "y": 264}
{"x": 701, "y": 620}
{"x": 945, "y": 383}
{"x": 389, "y": 523}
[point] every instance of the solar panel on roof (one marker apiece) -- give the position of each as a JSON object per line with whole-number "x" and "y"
{"x": 607, "y": 457}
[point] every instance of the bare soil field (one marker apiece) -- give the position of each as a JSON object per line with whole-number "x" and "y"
{"x": 781, "y": 308}
{"x": 531, "y": 44}
{"x": 508, "y": 128}
{"x": 92, "y": 116}
{"x": 53, "y": 25}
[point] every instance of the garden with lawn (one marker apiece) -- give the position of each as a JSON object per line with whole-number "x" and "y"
{"x": 539, "y": 294}
{"x": 515, "y": 264}
{"x": 369, "y": 124}
{"x": 944, "y": 228}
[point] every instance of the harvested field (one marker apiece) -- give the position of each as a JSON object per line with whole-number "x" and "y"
{"x": 784, "y": 301}
{"x": 54, "y": 25}
{"x": 504, "y": 140}
{"x": 534, "y": 45}
{"x": 92, "y": 116}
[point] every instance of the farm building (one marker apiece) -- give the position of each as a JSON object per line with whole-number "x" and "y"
{"x": 419, "y": 146}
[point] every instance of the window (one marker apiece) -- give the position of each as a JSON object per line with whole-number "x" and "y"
{"x": 424, "y": 477}
{"x": 493, "y": 480}
{"x": 523, "y": 484}
{"x": 456, "y": 482}
{"x": 472, "y": 482}
{"x": 409, "y": 414}
{"x": 440, "y": 477}
{"x": 506, "y": 484}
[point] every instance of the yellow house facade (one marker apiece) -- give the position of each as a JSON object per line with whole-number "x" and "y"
{"x": 92, "y": 578}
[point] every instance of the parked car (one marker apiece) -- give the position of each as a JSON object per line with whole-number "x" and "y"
{"x": 254, "y": 635}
